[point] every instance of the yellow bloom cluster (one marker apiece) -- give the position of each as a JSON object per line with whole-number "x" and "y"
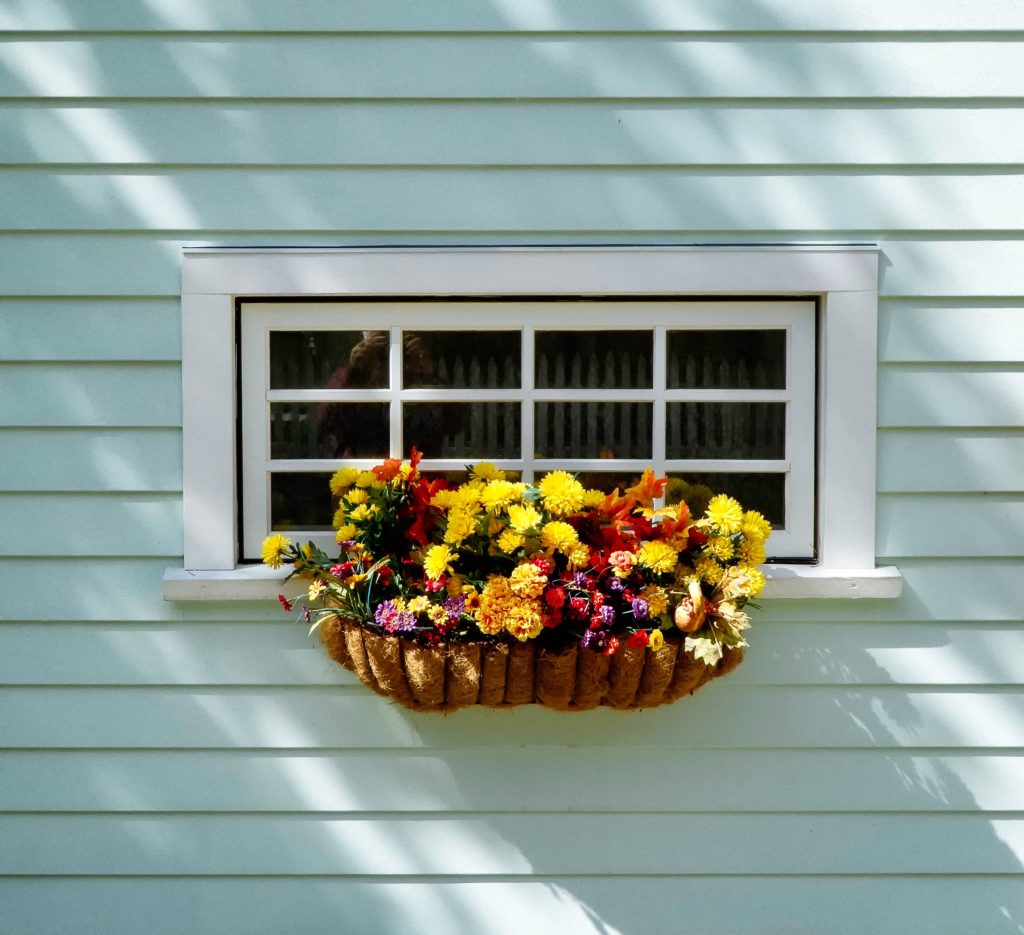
{"x": 659, "y": 556}
{"x": 562, "y": 494}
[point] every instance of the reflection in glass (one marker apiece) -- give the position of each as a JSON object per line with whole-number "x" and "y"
{"x": 472, "y": 431}
{"x": 727, "y": 360}
{"x": 301, "y": 360}
{"x": 462, "y": 359}
{"x": 301, "y": 501}
{"x": 329, "y": 430}
{"x": 765, "y": 493}
{"x": 593, "y": 430}
{"x": 603, "y": 480}
{"x": 598, "y": 359}
{"x": 725, "y": 430}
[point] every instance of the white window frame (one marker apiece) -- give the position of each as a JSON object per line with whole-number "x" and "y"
{"x": 796, "y": 318}
{"x": 843, "y": 278}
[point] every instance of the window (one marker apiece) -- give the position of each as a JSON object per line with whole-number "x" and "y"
{"x": 753, "y": 367}
{"x": 718, "y": 395}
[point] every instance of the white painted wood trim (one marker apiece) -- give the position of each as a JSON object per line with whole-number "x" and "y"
{"x": 259, "y": 583}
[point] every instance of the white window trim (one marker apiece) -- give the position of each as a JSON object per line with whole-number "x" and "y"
{"x": 843, "y": 277}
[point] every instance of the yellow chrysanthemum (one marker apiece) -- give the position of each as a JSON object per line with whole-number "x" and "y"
{"x": 360, "y": 513}
{"x": 357, "y": 496}
{"x": 484, "y": 470}
{"x": 344, "y": 533}
{"x": 443, "y": 499}
{"x": 657, "y": 600}
{"x": 365, "y": 479}
{"x": 708, "y": 569}
{"x": 560, "y": 536}
{"x": 755, "y": 578}
{"x": 579, "y": 557}
{"x": 509, "y": 541}
{"x": 593, "y": 498}
{"x": 755, "y": 526}
{"x": 497, "y": 495}
{"x": 752, "y": 552}
{"x": 437, "y": 560}
{"x": 562, "y": 493}
{"x": 724, "y": 513}
{"x": 343, "y": 479}
{"x": 659, "y": 556}
{"x": 461, "y": 524}
{"x": 720, "y": 547}
{"x": 527, "y": 580}
{"x": 273, "y": 549}
{"x": 467, "y": 497}
{"x": 523, "y": 517}
{"x": 340, "y": 515}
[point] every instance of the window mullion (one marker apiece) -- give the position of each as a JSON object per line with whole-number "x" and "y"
{"x": 527, "y": 441}
{"x": 658, "y": 417}
{"x": 395, "y": 394}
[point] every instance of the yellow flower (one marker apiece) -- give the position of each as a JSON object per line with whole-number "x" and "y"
{"x": 460, "y": 525}
{"x": 708, "y": 569}
{"x": 346, "y": 532}
{"x": 443, "y": 499}
{"x": 755, "y": 526}
{"x": 593, "y": 498}
{"x": 418, "y": 604}
{"x": 524, "y": 620}
{"x": 560, "y": 536}
{"x": 579, "y": 557}
{"x": 523, "y": 517}
{"x": 657, "y": 600}
{"x": 437, "y": 560}
{"x": 357, "y": 496}
{"x": 497, "y": 495}
{"x": 273, "y": 549}
{"x": 720, "y": 547}
{"x": 725, "y": 513}
{"x": 339, "y": 517}
{"x": 365, "y": 479}
{"x": 658, "y": 556}
{"x": 496, "y": 602}
{"x": 755, "y": 578}
{"x": 752, "y": 552}
{"x": 484, "y": 470}
{"x": 527, "y": 580}
{"x": 562, "y": 493}
{"x": 343, "y": 479}
{"x": 360, "y": 513}
{"x": 509, "y": 540}
{"x": 656, "y": 640}
{"x": 316, "y": 589}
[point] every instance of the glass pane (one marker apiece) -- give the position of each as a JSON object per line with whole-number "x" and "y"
{"x": 727, "y": 360}
{"x": 314, "y": 360}
{"x": 593, "y": 430}
{"x": 462, "y": 359}
{"x": 301, "y": 501}
{"x": 598, "y": 359}
{"x": 765, "y": 493}
{"x": 471, "y": 431}
{"x": 329, "y": 430}
{"x": 725, "y": 430}
{"x": 604, "y": 480}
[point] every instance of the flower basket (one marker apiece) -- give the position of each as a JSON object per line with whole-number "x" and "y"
{"x": 448, "y": 676}
{"x": 498, "y": 592}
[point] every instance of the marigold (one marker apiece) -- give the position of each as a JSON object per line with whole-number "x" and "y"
{"x": 562, "y": 493}
{"x": 437, "y": 560}
{"x": 559, "y": 536}
{"x": 724, "y": 513}
{"x": 527, "y": 580}
{"x": 525, "y": 621}
{"x": 659, "y": 556}
{"x": 273, "y": 549}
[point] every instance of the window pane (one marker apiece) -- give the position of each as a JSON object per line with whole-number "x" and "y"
{"x": 593, "y": 430}
{"x": 301, "y": 501}
{"x": 604, "y": 480}
{"x": 598, "y": 359}
{"x": 727, "y": 360}
{"x": 329, "y": 430}
{"x": 765, "y": 493}
{"x": 725, "y": 430}
{"x": 473, "y": 431}
{"x": 462, "y": 359}
{"x": 311, "y": 360}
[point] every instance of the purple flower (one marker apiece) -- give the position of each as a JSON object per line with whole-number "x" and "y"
{"x": 615, "y": 583}
{"x": 608, "y": 612}
{"x": 581, "y": 580}
{"x": 640, "y": 608}
{"x": 384, "y": 613}
{"x": 402, "y": 622}
{"x": 596, "y": 640}
{"x": 454, "y": 607}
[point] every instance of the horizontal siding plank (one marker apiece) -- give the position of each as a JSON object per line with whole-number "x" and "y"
{"x": 659, "y": 66}
{"x": 90, "y": 329}
{"x": 919, "y": 525}
{"x": 915, "y": 395}
{"x": 101, "y": 460}
{"x": 471, "y": 199}
{"x": 912, "y": 333}
{"x": 507, "y": 133}
{"x": 950, "y": 460}
{"x": 90, "y": 525}
{"x": 149, "y": 264}
{"x": 567, "y": 905}
{"x": 524, "y": 15}
{"x": 212, "y": 654}
{"x": 514, "y": 845}
{"x": 507, "y": 780}
{"x": 88, "y": 394}
{"x": 722, "y": 716}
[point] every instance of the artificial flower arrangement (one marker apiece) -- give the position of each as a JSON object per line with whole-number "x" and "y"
{"x": 500, "y": 592}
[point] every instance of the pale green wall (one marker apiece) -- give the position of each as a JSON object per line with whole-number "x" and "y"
{"x": 203, "y": 769}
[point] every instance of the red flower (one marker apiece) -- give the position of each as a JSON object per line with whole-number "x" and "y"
{"x": 542, "y": 565}
{"x": 613, "y": 646}
{"x": 343, "y": 570}
{"x": 596, "y": 622}
{"x": 697, "y": 536}
{"x": 597, "y": 599}
{"x": 435, "y": 584}
{"x": 639, "y": 638}
{"x": 578, "y": 607}
{"x": 555, "y": 597}
{"x": 285, "y": 603}
{"x": 551, "y": 620}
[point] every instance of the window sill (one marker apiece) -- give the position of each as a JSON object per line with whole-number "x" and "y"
{"x": 259, "y": 583}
